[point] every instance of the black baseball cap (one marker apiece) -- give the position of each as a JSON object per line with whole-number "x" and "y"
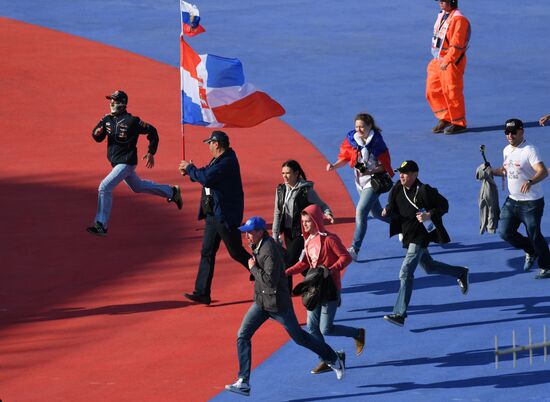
{"x": 119, "y": 96}
{"x": 513, "y": 125}
{"x": 407, "y": 167}
{"x": 218, "y": 136}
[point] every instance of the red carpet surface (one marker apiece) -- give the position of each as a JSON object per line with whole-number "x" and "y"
{"x": 85, "y": 318}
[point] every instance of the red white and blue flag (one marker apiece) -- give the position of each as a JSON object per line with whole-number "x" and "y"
{"x": 215, "y": 94}
{"x": 190, "y": 19}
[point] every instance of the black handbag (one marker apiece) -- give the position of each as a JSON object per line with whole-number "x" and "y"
{"x": 311, "y": 289}
{"x": 381, "y": 182}
{"x": 311, "y": 297}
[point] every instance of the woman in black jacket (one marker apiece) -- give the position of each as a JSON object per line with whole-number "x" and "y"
{"x": 291, "y": 197}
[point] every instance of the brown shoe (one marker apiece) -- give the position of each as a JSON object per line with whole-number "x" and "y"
{"x": 360, "y": 342}
{"x": 455, "y": 129}
{"x": 440, "y": 126}
{"x": 321, "y": 368}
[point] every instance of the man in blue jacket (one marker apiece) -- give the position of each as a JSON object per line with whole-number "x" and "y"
{"x": 222, "y": 206}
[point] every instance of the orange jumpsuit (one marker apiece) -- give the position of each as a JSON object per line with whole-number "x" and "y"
{"x": 445, "y": 88}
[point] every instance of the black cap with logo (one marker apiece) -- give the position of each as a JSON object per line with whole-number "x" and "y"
{"x": 119, "y": 96}
{"x": 407, "y": 167}
{"x": 513, "y": 125}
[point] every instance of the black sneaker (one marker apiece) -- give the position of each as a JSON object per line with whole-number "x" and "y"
{"x": 395, "y": 319}
{"x": 97, "y": 230}
{"x": 202, "y": 299}
{"x": 342, "y": 356}
{"x": 543, "y": 274}
{"x": 529, "y": 263}
{"x": 176, "y": 197}
{"x": 455, "y": 129}
{"x": 441, "y": 126}
{"x": 463, "y": 282}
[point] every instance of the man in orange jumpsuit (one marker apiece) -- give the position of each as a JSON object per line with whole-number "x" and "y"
{"x": 445, "y": 82}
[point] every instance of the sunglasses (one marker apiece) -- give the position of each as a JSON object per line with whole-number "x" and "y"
{"x": 510, "y": 132}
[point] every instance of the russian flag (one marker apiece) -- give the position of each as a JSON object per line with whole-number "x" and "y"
{"x": 190, "y": 19}
{"x": 215, "y": 94}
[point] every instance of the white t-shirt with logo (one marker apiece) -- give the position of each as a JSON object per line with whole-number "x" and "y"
{"x": 519, "y": 162}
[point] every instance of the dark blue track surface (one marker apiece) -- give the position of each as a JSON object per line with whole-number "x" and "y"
{"x": 325, "y": 62}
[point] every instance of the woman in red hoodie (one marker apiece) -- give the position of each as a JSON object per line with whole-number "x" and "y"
{"x": 325, "y": 249}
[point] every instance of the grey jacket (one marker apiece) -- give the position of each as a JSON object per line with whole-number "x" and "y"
{"x": 271, "y": 284}
{"x": 285, "y": 205}
{"x": 489, "y": 210}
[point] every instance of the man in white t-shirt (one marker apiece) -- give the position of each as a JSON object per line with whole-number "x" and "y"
{"x": 525, "y": 170}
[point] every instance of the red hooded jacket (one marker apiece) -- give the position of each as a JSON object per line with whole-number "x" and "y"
{"x": 333, "y": 254}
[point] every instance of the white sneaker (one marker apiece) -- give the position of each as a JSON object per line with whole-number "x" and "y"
{"x": 239, "y": 387}
{"x": 338, "y": 367}
{"x": 353, "y": 253}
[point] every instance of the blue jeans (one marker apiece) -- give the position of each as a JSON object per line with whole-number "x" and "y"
{"x": 254, "y": 319}
{"x": 368, "y": 204}
{"x": 127, "y": 173}
{"x": 320, "y": 322}
{"x": 529, "y": 213}
{"x": 417, "y": 254}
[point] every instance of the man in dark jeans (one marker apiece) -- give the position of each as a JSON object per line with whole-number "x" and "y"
{"x": 222, "y": 205}
{"x": 416, "y": 210}
{"x": 524, "y": 169}
{"x": 272, "y": 300}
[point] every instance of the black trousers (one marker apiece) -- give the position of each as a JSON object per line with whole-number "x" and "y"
{"x": 294, "y": 247}
{"x": 214, "y": 233}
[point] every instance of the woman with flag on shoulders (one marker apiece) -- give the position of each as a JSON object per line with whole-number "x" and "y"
{"x": 367, "y": 154}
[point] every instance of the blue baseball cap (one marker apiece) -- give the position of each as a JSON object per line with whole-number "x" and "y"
{"x": 254, "y": 223}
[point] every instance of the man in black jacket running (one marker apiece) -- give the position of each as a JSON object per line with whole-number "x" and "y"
{"x": 416, "y": 211}
{"x": 122, "y": 131}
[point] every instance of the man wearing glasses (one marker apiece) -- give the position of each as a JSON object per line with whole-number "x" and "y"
{"x": 525, "y": 170}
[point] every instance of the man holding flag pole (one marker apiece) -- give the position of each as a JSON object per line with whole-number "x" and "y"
{"x": 214, "y": 94}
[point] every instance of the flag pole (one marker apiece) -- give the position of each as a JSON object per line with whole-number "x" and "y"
{"x": 181, "y": 91}
{"x": 182, "y": 138}
{"x": 182, "y": 105}
{"x": 182, "y": 108}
